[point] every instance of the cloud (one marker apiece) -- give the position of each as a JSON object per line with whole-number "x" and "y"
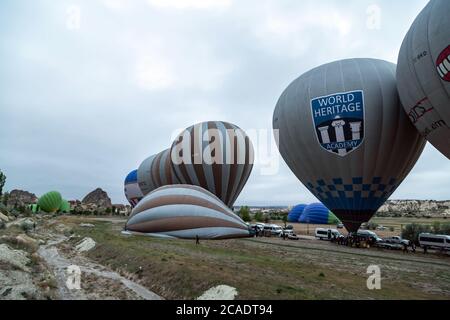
{"x": 81, "y": 109}
{"x": 154, "y": 73}
{"x": 190, "y": 4}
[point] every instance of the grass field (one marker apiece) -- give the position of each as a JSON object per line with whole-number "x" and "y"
{"x": 265, "y": 268}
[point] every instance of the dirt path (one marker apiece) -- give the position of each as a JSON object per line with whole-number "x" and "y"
{"x": 58, "y": 263}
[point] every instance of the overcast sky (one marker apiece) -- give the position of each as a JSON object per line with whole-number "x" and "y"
{"x": 89, "y": 88}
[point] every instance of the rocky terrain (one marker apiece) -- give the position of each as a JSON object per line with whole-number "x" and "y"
{"x": 19, "y": 198}
{"x": 418, "y": 208}
{"x": 37, "y": 254}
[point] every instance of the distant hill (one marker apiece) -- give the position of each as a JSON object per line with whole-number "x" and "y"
{"x": 430, "y": 208}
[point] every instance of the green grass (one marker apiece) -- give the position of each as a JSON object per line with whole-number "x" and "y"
{"x": 180, "y": 269}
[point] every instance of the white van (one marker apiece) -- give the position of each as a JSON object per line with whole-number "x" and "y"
{"x": 435, "y": 241}
{"x": 273, "y": 230}
{"x": 326, "y": 234}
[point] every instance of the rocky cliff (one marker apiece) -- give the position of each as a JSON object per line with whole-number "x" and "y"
{"x": 21, "y": 198}
{"x": 415, "y": 208}
{"x": 99, "y": 198}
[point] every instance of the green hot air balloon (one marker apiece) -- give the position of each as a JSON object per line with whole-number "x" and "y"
{"x": 50, "y": 202}
{"x": 64, "y": 207}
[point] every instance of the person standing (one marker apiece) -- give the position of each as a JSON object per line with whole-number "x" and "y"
{"x": 197, "y": 240}
{"x": 405, "y": 247}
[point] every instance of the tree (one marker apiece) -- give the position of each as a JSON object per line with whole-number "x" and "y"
{"x": 244, "y": 213}
{"x": 2, "y": 182}
{"x": 285, "y": 220}
{"x": 259, "y": 217}
{"x": 5, "y": 198}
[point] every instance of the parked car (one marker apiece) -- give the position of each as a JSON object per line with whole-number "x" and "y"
{"x": 272, "y": 230}
{"x": 389, "y": 245}
{"x": 340, "y": 226}
{"x": 293, "y": 236}
{"x": 434, "y": 241}
{"x": 397, "y": 240}
{"x": 381, "y": 228}
{"x": 369, "y": 236}
{"x": 326, "y": 234}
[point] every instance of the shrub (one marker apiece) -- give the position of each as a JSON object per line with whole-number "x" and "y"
{"x": 259, "y": 217}
{"x": 411, "y": 231}
{"x": 244, "y": 213}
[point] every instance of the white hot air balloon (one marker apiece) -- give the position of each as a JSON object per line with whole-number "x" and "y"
{"x": 423, "y": 74}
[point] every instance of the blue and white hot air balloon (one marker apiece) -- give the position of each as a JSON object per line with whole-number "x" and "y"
{"x": 131, "y": 187}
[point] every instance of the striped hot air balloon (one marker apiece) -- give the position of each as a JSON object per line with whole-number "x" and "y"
{"x": 156, "y": 171}
{"x": 64, "y": 207}
{"x": 185, "y": 211}
{"x": 131, "y": 188}
{"x": 50, "y": 202}
{"x": 215, "y": 155}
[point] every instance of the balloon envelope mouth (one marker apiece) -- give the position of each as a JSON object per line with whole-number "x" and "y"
{"x": 352, "y": 219}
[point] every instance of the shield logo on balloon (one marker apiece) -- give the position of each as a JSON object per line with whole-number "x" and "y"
{"x": 339, "y": 121}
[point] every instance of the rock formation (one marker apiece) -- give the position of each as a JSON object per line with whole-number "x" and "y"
{"x": 21, "y": 198}
{"x": 99, "y": 198}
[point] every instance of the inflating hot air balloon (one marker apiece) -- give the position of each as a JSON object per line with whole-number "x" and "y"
{"x": 132, "y": 191}
{"x": 64, "y": 207}
{"x": 296, "y": 212}
{"x": 50, "y": 202}
{"x": 423, "y": 74}
{"x": 344, "y": 134}
{"x": 156, "y": 171}
{"x": 215, "y": 155}
{"x": 317, "y": 213}
{"x": 185, "y": 211}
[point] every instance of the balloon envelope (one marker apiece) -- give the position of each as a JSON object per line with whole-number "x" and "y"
{"x": 344, "y": 134}
{"x": 131, "y": 188}
{"x": 296, "y": 212}
{"x": 50, "y": 202}
{"x": 423, "y": 74}
{"x": 64, "y": 207}
{"x": 215, "y": 155}
{"x": 185, "y": 211}
{"x": 317, "y": 213}
{"x": 156, "y": 171}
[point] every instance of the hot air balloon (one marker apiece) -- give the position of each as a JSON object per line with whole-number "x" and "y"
{"x": 423, "y": 74}
{"x": 156, "y": 171}
{"x": 296, "y": 212}
{"x": 64, "y": 207}
{"x": 344, "y": 134}
{"x": 132, "y": 191}
{"x": 185, "y": 211}
{"x": 215, "y": 155}
{"x": 317, "y": 213}
{"x": 50, "y": 202}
